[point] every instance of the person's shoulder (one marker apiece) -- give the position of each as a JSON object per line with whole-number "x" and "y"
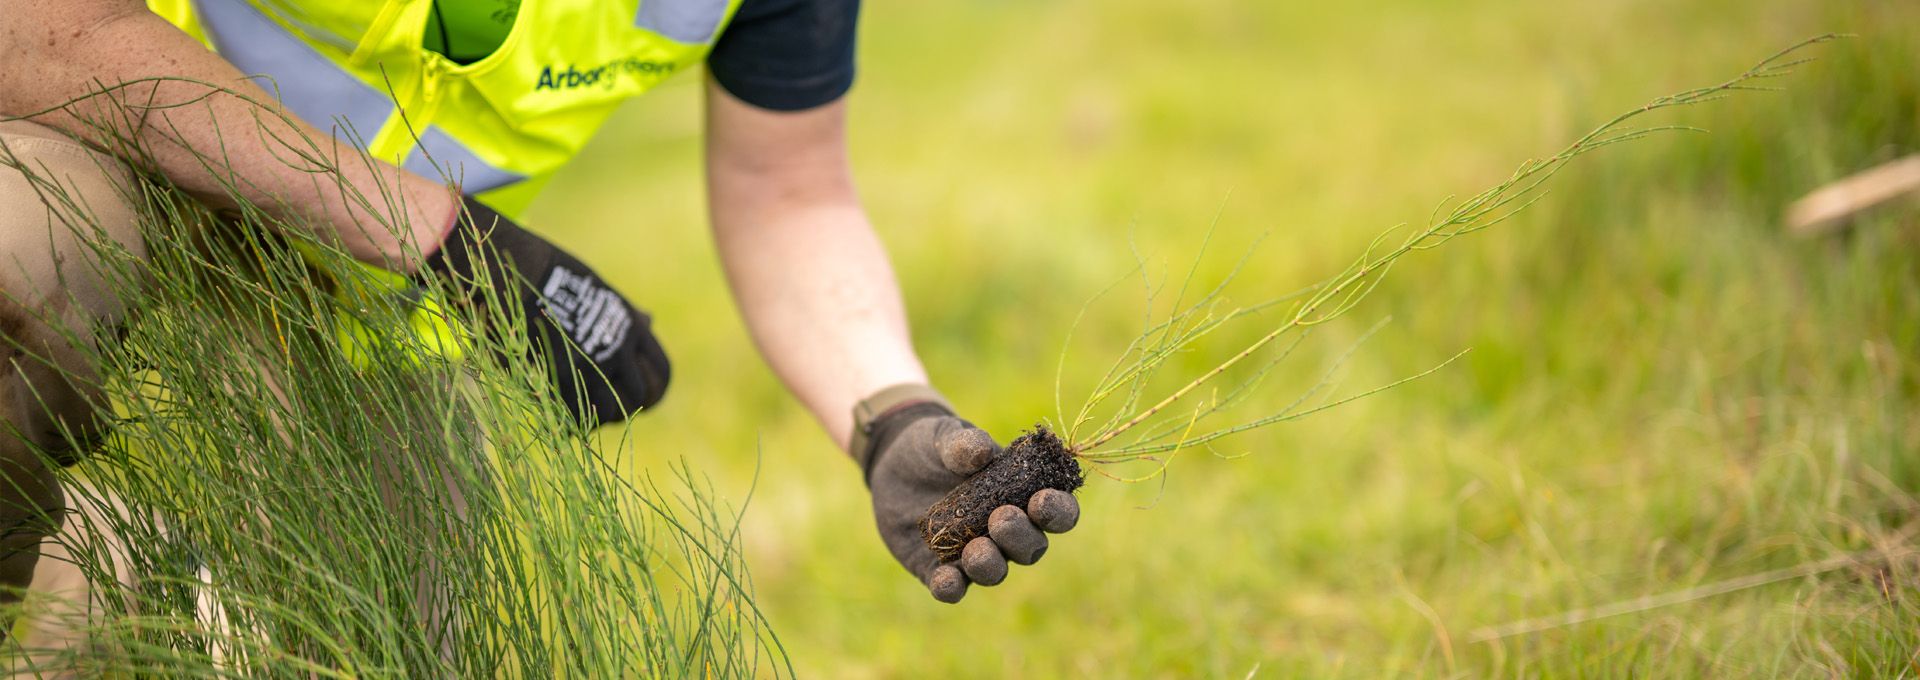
{"x": 787, "y": 55}
{"x": 754, "y": 11}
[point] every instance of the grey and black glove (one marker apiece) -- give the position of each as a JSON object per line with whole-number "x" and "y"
{"x": 914, "y": 451}
{"x": 602, "y": 356}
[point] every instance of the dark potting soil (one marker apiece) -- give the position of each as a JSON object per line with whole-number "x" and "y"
{"x": 1037, "y": 460}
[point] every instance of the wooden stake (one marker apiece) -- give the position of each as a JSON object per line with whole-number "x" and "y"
{"x": 1831, "y": 206}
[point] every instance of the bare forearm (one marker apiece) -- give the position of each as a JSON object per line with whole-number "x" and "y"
{"x": 121, "y": 77}
{"x": 807, "y": 272}
{"x": 822, "y": 305}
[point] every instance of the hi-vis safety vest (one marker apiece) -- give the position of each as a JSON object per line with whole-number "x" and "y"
{"x": 497, "y": 127}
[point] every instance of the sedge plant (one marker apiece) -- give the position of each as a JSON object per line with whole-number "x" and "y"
{"x": 296, "y": 483}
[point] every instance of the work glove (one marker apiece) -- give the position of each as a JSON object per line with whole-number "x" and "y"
{"x": 601, "y": 354}
{"x": 914, "y": 451}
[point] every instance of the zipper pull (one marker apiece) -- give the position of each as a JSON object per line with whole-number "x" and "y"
{"x": 431, "y": 73}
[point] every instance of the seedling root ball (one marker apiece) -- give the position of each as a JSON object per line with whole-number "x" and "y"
{"x": 1037, "y": 460}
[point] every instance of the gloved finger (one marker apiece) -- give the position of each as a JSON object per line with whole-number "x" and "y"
{"x": 1053, "y": 510}
{"x": 947, "y": 583}
{"x": 964, "y": 450}
{"x": 1016, "y": 536}
{"x": 982, "y": 562}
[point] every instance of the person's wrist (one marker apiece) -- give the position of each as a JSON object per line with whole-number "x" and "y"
{"x": 878, "y": 419}
{"x": 484, "y": 248}
{"x": 431, "y": 211}
{"x": 442, "y": 233}
{"x": 455, "y": 250}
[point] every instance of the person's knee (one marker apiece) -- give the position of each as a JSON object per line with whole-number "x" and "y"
{"x": 68, "y": 237}
{"x": 68, "y": 224}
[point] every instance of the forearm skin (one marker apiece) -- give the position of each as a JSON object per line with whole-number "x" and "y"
{"x": 807, "y": 272}
{"x": 115, "y": 74}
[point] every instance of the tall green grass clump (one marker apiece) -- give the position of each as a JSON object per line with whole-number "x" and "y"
{"x": 295, "y": 483}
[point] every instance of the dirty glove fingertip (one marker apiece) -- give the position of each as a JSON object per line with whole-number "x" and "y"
{"x": 1053, "y": 510}
{"x": 947, "y": 583}
{"x": 965, "y": 450}
{"x": 982, "y": 562}
{"x": 1017, "y": 537}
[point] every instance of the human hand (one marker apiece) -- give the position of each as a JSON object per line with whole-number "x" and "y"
{"x": 915, "y": 451}
{"x": 603, "y": 359}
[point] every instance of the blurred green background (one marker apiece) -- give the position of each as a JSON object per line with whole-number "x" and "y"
{"x": 1664, "y": 390}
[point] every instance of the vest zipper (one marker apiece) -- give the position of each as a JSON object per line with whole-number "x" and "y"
{"x": 433, "y": 76}
{"x": 431, "y": 72}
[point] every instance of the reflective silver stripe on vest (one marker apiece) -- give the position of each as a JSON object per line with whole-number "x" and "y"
{"x": 313, "y": 88}
{"x": 319, "y": 92}
{"x": 688, "y": 21}
{"x": 441, "y": 156}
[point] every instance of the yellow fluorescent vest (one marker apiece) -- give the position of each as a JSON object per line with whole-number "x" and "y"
{"x": 496, "y": 127}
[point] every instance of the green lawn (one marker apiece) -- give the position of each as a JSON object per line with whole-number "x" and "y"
{"x": 1664, "y": 392}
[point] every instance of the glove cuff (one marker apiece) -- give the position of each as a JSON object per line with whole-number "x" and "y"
{"x": 457, "y": 253}
{"x": 889, "y": 401}
{"x": 484, "y": 247}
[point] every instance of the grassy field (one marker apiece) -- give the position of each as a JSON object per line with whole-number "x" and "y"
{"x": 1664, "y": 392}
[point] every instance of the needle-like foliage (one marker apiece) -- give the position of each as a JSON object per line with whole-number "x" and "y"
{"x": 1123, "y": 401}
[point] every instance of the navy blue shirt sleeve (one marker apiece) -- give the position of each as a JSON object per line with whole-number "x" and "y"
{"x": 787, "y": 55}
